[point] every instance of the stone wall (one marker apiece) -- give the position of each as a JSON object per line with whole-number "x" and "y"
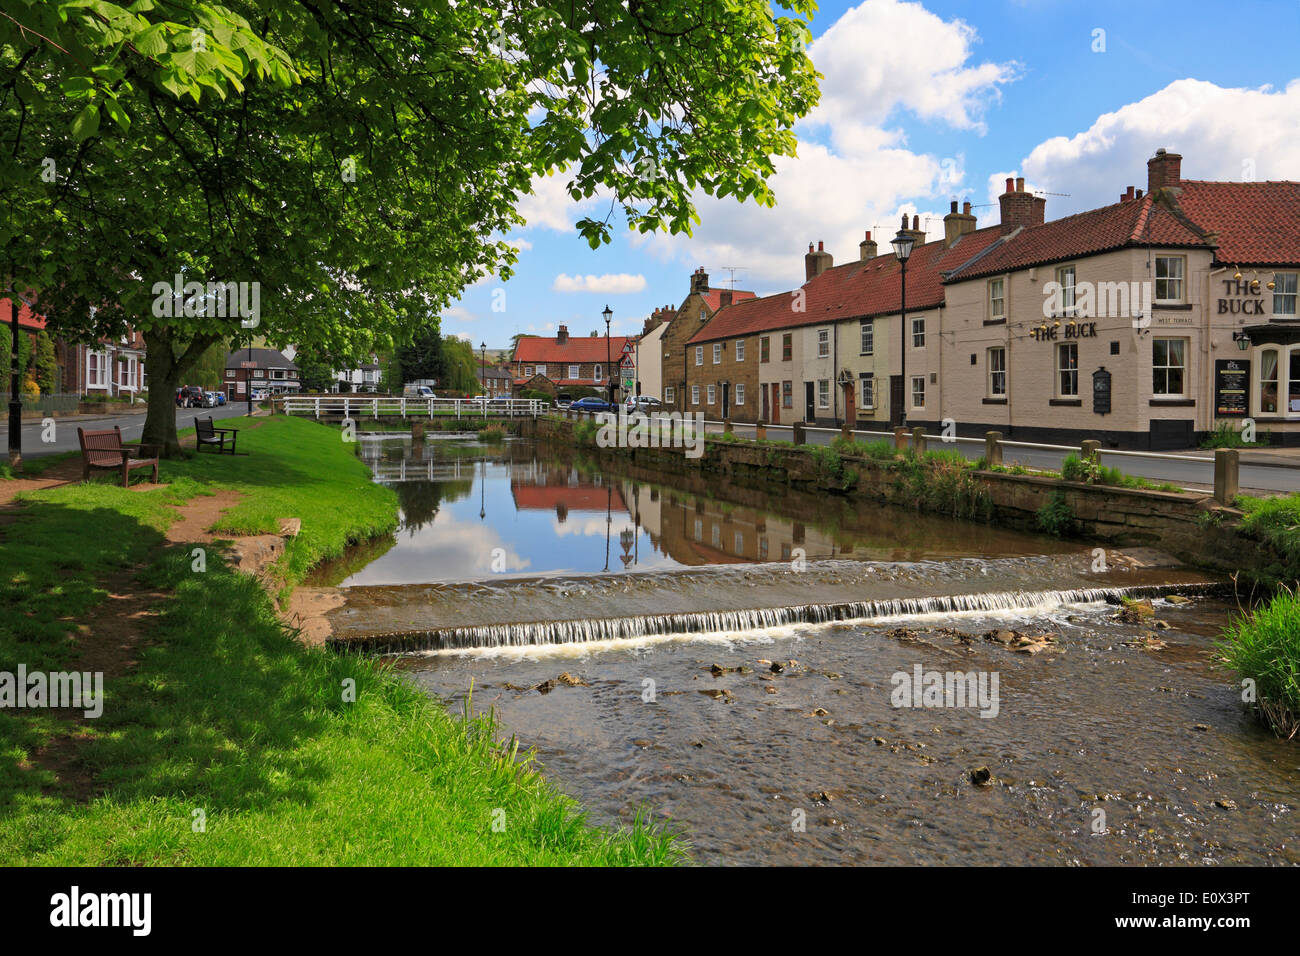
{"x": 1188, "y": 525}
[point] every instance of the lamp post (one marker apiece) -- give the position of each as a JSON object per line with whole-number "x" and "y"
{"x": 249, "y": 375}
{"x": 608, "y": 377}
{"x": 482, "y": 374}
{"x": 15, "y": 396}
{"x": 902, "y": 244}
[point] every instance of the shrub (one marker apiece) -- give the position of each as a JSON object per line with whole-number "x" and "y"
{"x": 831, "y": 471}
{"x": 1265, "y": 647}
{"x": 1057, "y": 517}
{"x": 1074, "y": 468}
{"x": 1226, "y": 434}
{"x": 492, "y": 433}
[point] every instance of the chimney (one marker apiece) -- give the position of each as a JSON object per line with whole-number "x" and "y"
{"x": 1020, "y": 208}
{"x": 815, "y": 263}
{"x": 724, "y": 298}
{"x": 866, "y": 248}
{"x": 699, "y": 280}
{"x": 1164, "y": 169}
{"x": 562, "y": 335}
{"x": 957, "y": 224}
{"x": 916, "y": 232}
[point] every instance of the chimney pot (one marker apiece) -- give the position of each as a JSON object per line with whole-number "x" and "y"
{"x": 820, "y": 247}
{"x": 954, "y": 206}
{"x": 965, "y": 209}
{"x": 1020, "y": 184}
{"x": 916, "y": 223}
{"x": 868, "y": 235}
{"x": 1011, "y": 185}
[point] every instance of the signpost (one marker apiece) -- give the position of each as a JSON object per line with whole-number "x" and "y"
{"x": 1101, "y": 391}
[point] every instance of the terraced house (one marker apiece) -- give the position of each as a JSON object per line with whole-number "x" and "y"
{"x": 1142, "y": 323}
{"x": 550, "y": 363}
{"x": 678, "y": 360}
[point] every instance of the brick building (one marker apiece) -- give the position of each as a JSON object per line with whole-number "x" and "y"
{"x": 566, "y": 360}
{"x": 698, "y": 308}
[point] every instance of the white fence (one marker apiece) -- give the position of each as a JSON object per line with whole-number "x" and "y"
{"x": 356, "y": 406}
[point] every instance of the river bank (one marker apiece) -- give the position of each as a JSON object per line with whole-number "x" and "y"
{"x": 223, "y": 740}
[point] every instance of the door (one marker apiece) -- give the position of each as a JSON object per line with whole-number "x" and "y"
{"x": 726, "y": 399}
{"x": 809, "y": 402}
{"x": 850, "y": 403}
{"x": 764, "y": 417}
{"x": 776, "y": 402}
{"x": 1172, "y": 434}
{"x": 897, "y": 411}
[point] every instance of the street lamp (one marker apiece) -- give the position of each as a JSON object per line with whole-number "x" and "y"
{"x": 15, "y": 398}
{"x": 902, "y": 244}
{"x": 608, "y": 313}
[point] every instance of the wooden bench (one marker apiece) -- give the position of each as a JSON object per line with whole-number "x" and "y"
{"x": 206, "y": 435}
{"x": 104, "y": 449}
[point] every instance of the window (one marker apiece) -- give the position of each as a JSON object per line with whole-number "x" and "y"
{"x": 997, "y": 300}
{"x": 1169, "y": 278}
{"x": 1293, "y": 393}
{"x": 717, "y": 352}
{"x": 715, "y": 536}
{"x": 96, "y": 369}
{"x": 699, "y": 355}
{"x": 787, "y": 395}
{"x": 918, "y": 391}
{"x": 231, "y": 373}
{"x": 599, "y": 372}
{"x": 866, "y": 390}
{"x": 823, "y": 343}
{"x": 765, "y": 349}
{"x": 541, "y": 370}
{"x": 259, "y": 373}
{"x": 740, "y": 350}
{"x": 704, "y": 314}
{"x": 918, "y": 333}
{"x": 1065, "y": 276}
{"x": 575, "y": 372}
{"x": 713, "y": 394}
{"x": 787, "y": 346}
{"x": 528, "y": 371}
{"x": 1268, "y": 381}
{"x": 740, "y": 542}
{"x": 1067, "y": 369}
{"x": 1168, "y": 363}
{"x": 997, "y": 372}
{"x": 824, "y": 393}
{"x": 740, "y": 393}
{"x": 699, "y": 528}
{"x": 868, "y": 337}
{"x": 695, "y": 395}
{"x": 1284, "y": 293}
{"x": 670, "y": 395}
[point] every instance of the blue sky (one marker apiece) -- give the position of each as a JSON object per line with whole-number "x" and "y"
{"x": 927, "y": 102}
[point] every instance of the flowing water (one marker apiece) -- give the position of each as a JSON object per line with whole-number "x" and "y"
{"x": 749, "y": 696}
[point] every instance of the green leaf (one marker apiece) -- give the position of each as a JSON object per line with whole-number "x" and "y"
{"x": 87, "y": 123}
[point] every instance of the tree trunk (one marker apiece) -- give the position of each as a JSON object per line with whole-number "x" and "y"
{"x": 164, "y": 379}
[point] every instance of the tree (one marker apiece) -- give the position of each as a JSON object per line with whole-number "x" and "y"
{"x": 315, "y": 372}
{"x": 45, "y": 364}
{"x": 337, "y": 194}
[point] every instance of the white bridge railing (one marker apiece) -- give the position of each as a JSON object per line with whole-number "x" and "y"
{"x": 359, "y": 406}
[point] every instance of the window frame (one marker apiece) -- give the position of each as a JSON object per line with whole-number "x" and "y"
{"x": 711, "y": 391}
{"x": 1293, "y": 294}
{"x": 717, "y": 352}
{"x": 867, "y": 337}
{"x": 867, "y": 391}
{"x": 1069, "y": 298}
{"x": 823, "y": 343}
{"x": 823, "y": 393}
{"x": 695, "y": 395}
{"x": 699, "y": 355}
{"x": 740, "y": 350}
{"x": 914, "y": 392}
{"x": 1000, "y": 283}
{"x": 1063, "y": 348}
{"x": 1182, "y": 367}
{"x": 740, "y": 393}
{"x": 670, "y": 395}
{"x": 787, "y": 347}
{"x": 765, "y": 349}
{"x": 991, "y": 373}
{"x": 918, "y": 338}
{"x": 1181, "y": 279}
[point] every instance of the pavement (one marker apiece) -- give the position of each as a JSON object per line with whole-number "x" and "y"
{"x": 131, "y": 423}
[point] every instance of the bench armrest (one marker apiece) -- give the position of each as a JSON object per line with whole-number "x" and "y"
{"x": 225, "y": 429}
{"x": 145, "y": 449}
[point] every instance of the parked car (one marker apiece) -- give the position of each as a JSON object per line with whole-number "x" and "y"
{"x": 417, "y": 391}
{"x": 644, "y": 403}
{"x": 210, "y": 400}
{"x": 190, "y": 396}
{"x": 221, "y": 398}
{"x": 593, "y": 404}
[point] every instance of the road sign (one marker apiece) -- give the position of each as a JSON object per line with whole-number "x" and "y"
{"x": 628, "y": 348}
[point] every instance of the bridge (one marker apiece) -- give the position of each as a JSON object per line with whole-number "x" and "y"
{"x": 339, "y": 407}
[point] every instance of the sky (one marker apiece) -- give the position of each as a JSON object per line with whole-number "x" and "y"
{"x": 923, "y": 103}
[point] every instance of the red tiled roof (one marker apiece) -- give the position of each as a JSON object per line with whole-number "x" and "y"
{"x": 1132, "y": 222}
{"x": 713, "y": 297}
{"x": 26, "y": 317}
{"x": 1256, "y": 223}
{"x": 856, "y": 289}
{"x": 575, "y": 351}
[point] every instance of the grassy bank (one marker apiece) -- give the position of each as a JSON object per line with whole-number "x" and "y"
{"x": 1264, "y": 648}
{"x": 229, "y": 742}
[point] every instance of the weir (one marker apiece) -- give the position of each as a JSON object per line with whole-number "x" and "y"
{"x": 564, "y": 610}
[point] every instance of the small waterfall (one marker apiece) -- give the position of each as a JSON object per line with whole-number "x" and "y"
{"x": 536, "y": 633}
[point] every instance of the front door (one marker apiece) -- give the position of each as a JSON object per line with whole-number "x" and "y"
{"x": 764, "y": 417}
{"x": 809, "y": 402}
{"x": 897, "y": 413}
{"x": 850, "y": 405}
{"x": 776, "y": 401}
{"x": 726, "y": 399}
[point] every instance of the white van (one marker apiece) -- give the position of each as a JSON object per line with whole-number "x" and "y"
{"x": 417, "y": 391}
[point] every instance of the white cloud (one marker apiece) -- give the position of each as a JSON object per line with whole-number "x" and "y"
{"x": 458, "y": 313}
{"x": 1222, "y": 133}
{"x": 550, "y": 205}
{"x": 610, "y": 283}
{"x": 861, "y": 175}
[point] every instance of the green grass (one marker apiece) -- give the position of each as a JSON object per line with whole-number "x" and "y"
{"x": 226, "y": 713}
{"x": 35, "y": 467}
{"x": 1276, "y": 522}
{"x": 1264, "y": 647}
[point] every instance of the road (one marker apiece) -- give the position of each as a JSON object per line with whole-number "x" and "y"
{"x": 1189, "y": 474}
{"x": 65, "y": 430}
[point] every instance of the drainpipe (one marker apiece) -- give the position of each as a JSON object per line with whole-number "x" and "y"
{"x": 1209, "y": 363}
{"x": 835, "y": 367}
